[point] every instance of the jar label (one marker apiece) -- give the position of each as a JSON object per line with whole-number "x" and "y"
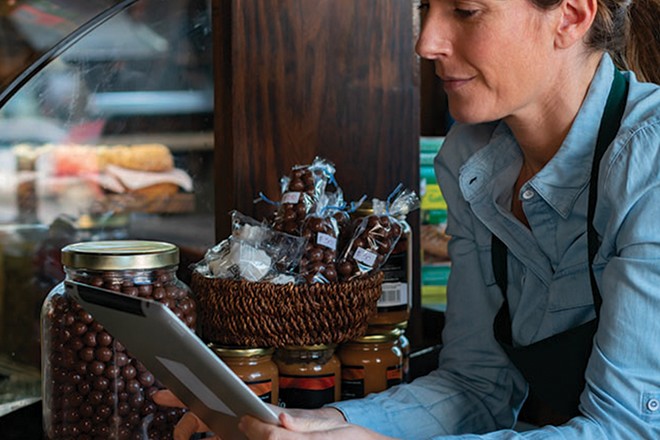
{"x": 395, "y": 268}
{"x": 262, "y": 388}
{"x": 291, "y": 197}
{"x": 394, "y": 376}
{"x": 394, "y": 295}
{"x": 307, "y": 392}
{"x": 352, "y": 382}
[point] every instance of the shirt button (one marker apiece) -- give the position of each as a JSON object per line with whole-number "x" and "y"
{"x": 653, "y": 405}
{"x": 528, "y": 194}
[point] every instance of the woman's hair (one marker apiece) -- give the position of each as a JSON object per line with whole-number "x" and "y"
{"x": 629, "y": 31}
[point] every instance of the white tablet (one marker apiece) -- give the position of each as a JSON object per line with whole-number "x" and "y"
{"x": 176, "y": 356}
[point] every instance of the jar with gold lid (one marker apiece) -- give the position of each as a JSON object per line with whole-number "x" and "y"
{"x": 402, "y": 342}
{"x": 255, "y": 367}
{"x": 370, "y": 364}
{"x": 310, "y": 375}
{"x": 92, "y": 387}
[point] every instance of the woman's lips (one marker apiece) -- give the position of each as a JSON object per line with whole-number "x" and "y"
{"x": 454, "y": 83}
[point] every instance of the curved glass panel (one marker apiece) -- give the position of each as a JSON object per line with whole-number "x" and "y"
{"x": 107, "y": 134}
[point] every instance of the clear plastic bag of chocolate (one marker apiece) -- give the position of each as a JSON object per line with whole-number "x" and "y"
{"x": 321, "y": 230}
{"x": 92, "y": 387}
{"x": 376, "y": 235}
{"x": 254, "y": 252}
{"x": 301, "y": 191}
{"x": 286, "y": 250}
{"x": 325, "y": 231}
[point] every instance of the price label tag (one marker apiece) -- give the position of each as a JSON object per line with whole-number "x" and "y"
{"x": 291, "y": 197}
{"x": 365, "y": 256}
{"x": 326, "y": 240}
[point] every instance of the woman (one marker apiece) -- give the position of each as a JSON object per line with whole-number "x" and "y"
{"x": 533, "y": 87}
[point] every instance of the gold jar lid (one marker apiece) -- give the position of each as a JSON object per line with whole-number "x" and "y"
{"x": 384, "y": 328}
{"x": 120, "y": 255}
{"x": 365, "y": 209}
{"x": 317, "y": 347}
{"x": 235, "y": 352}
{"x": 375, "y": 338}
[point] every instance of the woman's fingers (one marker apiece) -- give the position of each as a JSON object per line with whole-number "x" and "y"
{"x": 309, "y": 424}
{"x": 254, "y": 429}
{"x": 292, "y": 427}
{"x": 189, "y": 425}
{"x": 166, "y": 398}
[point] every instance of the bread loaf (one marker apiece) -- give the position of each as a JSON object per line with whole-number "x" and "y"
{"x": 141, "y": 157}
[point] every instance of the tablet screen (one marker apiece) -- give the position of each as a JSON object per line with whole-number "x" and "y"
{"x": 176, "y": 356}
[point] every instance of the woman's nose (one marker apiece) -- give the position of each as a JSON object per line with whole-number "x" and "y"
{"x": 433, "y": 42}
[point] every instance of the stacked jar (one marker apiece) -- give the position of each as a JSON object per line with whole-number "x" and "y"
{"x": 255, "y": 367}
{"x": 310, "y": 376}
{"x": 370, "y": 364}
{"x": 402, "y": 342}
{"x": 92, "y": 387}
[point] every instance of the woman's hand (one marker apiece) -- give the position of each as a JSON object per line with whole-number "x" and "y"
{"x": 189, "y": 423}
{"x": 324, "y": 423}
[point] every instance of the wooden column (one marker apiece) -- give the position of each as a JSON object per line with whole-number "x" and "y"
{"x": 296, "y": 79}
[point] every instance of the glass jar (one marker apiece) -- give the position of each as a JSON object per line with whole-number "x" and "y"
{"x": 402, "y": 342}
{"x": 310, "y": 376}
{"x": 395, "y": 301}
{"x": 91, "y": 386}
{"x": 255, "y": 367}
{"x": 20, "y": 299}
{"x": 370, "y": 364}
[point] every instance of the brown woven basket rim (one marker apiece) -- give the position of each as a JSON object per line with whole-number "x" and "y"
{"x": 244, "y": 313}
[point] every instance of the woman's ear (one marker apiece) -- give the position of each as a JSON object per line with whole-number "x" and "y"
{"x": 576, "y": 17}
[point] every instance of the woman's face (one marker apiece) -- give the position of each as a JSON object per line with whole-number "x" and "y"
{"x": 495, "y": 57}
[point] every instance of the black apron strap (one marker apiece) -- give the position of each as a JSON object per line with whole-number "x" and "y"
{"x": 554, "y": 367}
{"x": 502, "y": 323}
{"x": 616, "y": 104}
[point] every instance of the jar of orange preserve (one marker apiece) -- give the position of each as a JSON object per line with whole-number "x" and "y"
{"x": 255, "y": 367}
{"x": 310, "y": 376}
{"x": 370, "y": 364}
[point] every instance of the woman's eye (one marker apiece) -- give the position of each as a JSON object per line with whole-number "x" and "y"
{"x": 423, "y": 6}
{"x": 465, "y": 13}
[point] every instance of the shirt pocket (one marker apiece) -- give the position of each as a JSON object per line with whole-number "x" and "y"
{"x": 650, "y": 406}
{"x": 570, "y": 289}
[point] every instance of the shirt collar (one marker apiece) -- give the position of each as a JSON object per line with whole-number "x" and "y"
{"x": 570, "y": 168}
{"x": 563, "y": 179}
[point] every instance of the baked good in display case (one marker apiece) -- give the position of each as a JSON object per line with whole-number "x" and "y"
{"x": 118, "y": 178}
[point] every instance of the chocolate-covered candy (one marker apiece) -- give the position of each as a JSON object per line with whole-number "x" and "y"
{"x": 298, "y": 199}
{"x": 373, "y": 240}
{"x": 100, "y": 391}
{"x": 319, "y": 258}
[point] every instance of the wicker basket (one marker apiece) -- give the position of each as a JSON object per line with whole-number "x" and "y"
{"x": 242, "y": 313}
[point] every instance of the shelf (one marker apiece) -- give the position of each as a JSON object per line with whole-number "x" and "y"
{"x": 171, "y": 204}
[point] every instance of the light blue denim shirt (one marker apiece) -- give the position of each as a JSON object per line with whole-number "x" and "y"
{"x": 476, "y": 389}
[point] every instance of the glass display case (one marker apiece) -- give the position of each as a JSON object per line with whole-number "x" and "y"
{"x": 106, "y": 131}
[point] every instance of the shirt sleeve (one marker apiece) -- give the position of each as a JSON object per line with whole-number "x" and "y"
{"x": 475, "y": 388}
